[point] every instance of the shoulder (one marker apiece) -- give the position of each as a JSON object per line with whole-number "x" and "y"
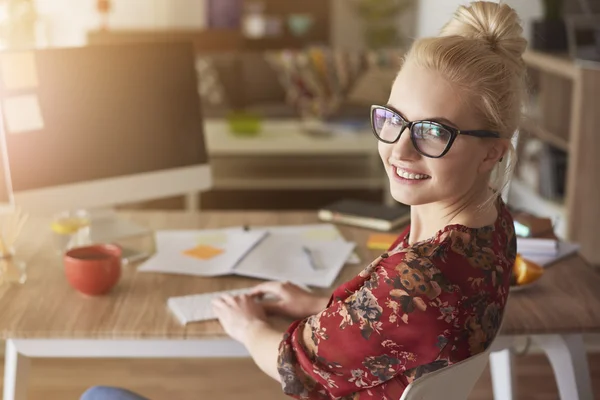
{"x": 451, "y": 261}
{"x": 419, "y": 270}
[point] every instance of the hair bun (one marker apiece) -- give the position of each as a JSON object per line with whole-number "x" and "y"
{"x": 496, "y": 24}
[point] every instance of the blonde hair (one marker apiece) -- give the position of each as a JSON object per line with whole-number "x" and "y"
{"x": 480, "y": 51}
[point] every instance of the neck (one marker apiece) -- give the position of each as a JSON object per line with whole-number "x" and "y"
{"x": 470, "y": 210}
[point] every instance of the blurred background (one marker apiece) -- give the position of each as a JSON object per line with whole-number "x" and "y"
{"x": 285, "y": 88}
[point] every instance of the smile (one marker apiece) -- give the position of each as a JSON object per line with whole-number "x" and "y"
{"x": 402, "y": 173}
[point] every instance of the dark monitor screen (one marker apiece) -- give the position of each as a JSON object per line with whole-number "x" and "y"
{"x": 6, "y": 199}
{"x": 104, "y": 112}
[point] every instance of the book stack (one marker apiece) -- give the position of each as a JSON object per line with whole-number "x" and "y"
{"x": 545, "y": 252}
{"x": 366, "y": 214}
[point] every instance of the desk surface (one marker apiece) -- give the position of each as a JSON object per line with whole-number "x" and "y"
{"x": 285, "y": 137}
{"x": 567, "y": 299}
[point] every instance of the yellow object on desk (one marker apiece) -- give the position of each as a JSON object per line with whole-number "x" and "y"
{"x": 525, "y": 271}
{"x": 381, "y": 241}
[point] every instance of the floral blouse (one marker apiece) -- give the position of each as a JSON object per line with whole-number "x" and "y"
{"x": 413, "y": 310}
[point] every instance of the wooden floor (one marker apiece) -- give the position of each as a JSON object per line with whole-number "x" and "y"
{"x": 233, "y": 379}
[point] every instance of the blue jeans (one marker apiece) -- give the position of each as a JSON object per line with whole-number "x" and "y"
{"x": 109, "y": 393}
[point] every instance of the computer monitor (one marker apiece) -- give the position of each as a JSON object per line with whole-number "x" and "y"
{"x": 6, "y": 194}
{"x": 98, "y": 126}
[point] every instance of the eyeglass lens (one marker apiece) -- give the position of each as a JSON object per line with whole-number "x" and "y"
{"x": 429, "y": 138}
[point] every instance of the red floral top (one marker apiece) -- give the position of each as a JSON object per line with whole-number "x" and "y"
{"x": 413, "y": 310}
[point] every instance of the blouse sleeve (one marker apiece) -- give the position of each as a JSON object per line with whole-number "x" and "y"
{"x": 398, "y": 320}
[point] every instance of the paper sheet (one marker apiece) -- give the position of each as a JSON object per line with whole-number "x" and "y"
{"x": 19, "y": 71}
{"x": 537, "y": 246}
{"x": 272, "y": 253}
{"x": 23, "y": 114}
{"x": 565, "y": 249}
{"x": 281, "y": 257}
{"x": 171, "y": 247}
{"x": 315, "y": 233}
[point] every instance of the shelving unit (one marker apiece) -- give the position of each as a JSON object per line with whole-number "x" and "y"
{"x": 544, "y": 134}
{"x": 227, "y": 40}
{"x": 567, "y": 116}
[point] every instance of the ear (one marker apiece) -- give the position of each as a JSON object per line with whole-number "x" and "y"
{"x": 494, "y": 152}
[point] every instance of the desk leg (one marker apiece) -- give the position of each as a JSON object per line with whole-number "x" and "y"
{"x": 568, "y": 358}
{"x": 16, "y": 371}
{"x": 503, "y": 379}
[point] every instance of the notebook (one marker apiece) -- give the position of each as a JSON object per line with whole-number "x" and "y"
{"x": 541, "y": 246}
{"x": 214, "y": 252}
{"x": 305, "y": 254}
{"x": 289, "y": 257}
{"x": 563, "y": 250}
{"x": 366, "y": 214}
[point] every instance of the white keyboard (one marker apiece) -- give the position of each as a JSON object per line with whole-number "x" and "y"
{"x": 198, "y": 307}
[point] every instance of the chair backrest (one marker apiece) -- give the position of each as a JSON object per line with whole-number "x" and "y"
{"x": 451, "y": 383}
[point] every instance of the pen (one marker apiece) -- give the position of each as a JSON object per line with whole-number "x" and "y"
{"x": 311, "y": 258}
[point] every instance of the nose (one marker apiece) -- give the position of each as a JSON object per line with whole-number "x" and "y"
{"x": 404, "y": 149}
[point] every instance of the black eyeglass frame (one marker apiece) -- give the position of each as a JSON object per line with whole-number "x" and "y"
{"x": 454, "y": 132}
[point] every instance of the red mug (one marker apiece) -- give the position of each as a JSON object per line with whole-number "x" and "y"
{"x": 93, "y": 270}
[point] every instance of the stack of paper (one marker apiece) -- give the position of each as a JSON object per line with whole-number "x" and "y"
{"x": 312, "y": 255}
{"x": 545, "y": 251}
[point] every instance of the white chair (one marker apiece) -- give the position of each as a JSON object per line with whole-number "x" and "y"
{"x": 451, "y": 383}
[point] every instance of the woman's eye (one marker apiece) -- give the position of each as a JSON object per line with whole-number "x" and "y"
{"x": 436, "y": 132}
{"x": 396, "y": 120}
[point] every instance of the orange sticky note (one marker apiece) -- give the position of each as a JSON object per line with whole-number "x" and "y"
{"x": 203, "y": 252}
{"x": 381, "y": 241}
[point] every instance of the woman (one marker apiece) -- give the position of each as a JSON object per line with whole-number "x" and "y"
{"x": 437, "y": 296}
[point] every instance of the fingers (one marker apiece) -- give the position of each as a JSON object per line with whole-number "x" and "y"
{"x": 272, "y": 307}
{"x": 223, "y": 301}
{"x": 229, "y": 300}
{"x": 276, "y": 288}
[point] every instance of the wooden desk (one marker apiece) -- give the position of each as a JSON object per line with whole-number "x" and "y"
{"x": 46, "y": 318}
{"x": 284, "y": 157}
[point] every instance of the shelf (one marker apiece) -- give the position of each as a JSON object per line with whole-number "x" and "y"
{"x": 285, "y": 137}
{"x": 556, "y": 64}
{"x": 300, "y": 184}
{"x": 549, "y": 137}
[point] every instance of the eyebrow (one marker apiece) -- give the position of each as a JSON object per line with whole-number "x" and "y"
{"x": 440, "y": 120}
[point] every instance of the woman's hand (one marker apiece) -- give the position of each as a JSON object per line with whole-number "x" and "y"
{"x": 239, "y": 315}
{"x": 289, "y": 299}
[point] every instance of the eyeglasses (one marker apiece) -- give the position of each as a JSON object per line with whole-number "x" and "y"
{"x": 431, "y": 139}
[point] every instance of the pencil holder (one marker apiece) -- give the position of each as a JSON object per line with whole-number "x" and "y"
{"x": 12, "y": 268}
